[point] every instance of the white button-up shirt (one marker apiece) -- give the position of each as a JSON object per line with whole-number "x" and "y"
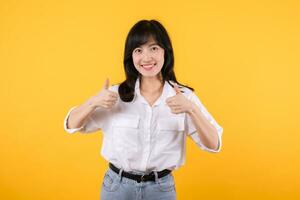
{"x": 142, "y": 138}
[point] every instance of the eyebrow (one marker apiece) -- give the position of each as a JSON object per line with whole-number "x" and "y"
{"x": 151, "y": 44}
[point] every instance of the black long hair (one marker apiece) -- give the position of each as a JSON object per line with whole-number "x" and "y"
{"x": 138, "y": 35}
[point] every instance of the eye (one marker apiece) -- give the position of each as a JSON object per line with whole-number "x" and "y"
{"x": 137, "y": 51}
{"x": 154, "y": 48}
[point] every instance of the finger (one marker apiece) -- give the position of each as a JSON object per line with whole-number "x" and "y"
{"x": 113, "y": 94}
{"x": 104, "y": 105}
{"x": 176, "y": 88}
{"x": 175, "y": 106}
{"x": 106, "y": 84}
{"x": 172, "y": 104}
{"x": 110, "y": 104}
{"x": 110, "y": 100}
{"x": 176, "y": 110}
{"x": 169, "y": 100}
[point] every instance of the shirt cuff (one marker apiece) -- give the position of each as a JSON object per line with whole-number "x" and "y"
{"x": 70, "y": 130}
{"x": 196, "y": 138}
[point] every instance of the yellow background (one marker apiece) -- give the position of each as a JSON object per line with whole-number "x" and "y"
{"x": 242, "y": 58}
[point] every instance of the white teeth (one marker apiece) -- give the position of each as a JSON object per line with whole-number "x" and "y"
{"x": 148, "y": 66}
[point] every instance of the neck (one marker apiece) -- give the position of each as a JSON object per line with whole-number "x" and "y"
{"x": 151, "y": 84}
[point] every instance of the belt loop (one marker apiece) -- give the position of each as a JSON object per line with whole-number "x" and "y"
{"x": 156, "y": 176}
{"x": 120, "y": 174}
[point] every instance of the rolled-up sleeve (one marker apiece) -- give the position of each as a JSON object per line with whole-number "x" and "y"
{"x": 192, "y": 131}
{"x": 88, "y": 127}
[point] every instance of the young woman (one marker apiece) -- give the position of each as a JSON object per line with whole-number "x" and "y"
{"x": 145, "y": 120}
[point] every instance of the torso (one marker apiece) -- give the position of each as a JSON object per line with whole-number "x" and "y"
{"x": 150, "y": 98}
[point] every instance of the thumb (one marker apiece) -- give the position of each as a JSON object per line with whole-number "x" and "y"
{"x": 176, "y": 88}
{"x": 106, "y": 84}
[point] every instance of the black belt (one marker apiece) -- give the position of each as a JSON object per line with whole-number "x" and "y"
{"x": 140, "y": 178}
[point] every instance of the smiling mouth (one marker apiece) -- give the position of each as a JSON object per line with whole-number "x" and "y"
{"x": 148, "y": 67}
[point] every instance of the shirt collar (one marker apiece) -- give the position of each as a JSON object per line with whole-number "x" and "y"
{"x": 168, "y": 91}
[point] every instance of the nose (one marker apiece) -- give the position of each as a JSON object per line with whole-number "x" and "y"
{"x": 147, "y": 56}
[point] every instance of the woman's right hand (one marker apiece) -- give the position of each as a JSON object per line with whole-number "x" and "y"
{"x": 105, "y": 98}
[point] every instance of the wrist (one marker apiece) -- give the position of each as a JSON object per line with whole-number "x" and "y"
{"x": 90, "y": 104}
{"x": 192, "y": 108}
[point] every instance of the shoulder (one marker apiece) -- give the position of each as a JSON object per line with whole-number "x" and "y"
{"x": 188, "y": 93}
{"x": 191, "y": 95}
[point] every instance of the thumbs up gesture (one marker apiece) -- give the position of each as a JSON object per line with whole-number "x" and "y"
{"x": 105, "y": 98}
{"x": 178, "y": 103}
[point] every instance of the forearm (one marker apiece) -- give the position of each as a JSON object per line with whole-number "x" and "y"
{"x": 80, "y": 114}
{"x": 206, "y": 131}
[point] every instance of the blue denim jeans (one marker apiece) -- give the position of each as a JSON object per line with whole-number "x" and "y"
{"x": 116, "y": 187}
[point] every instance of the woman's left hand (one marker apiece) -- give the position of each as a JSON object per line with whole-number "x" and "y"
{"x": 179, "y": 103}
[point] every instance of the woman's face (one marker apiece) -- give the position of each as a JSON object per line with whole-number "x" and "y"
{"x": 148, "y": 58}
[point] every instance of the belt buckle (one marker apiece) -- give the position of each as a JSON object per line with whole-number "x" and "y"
{"x": 143, "y": 178}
